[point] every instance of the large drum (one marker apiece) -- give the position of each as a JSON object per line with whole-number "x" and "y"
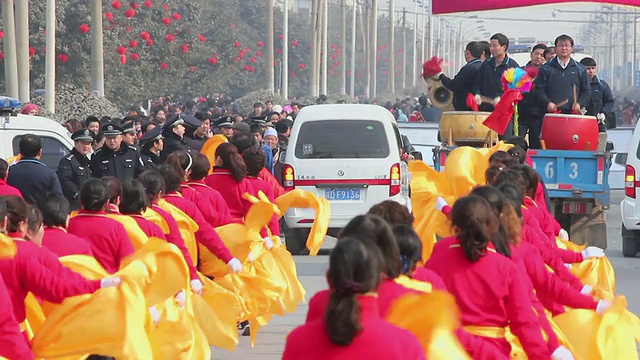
{"x": 465, "y": 128}
{"x": 569, "y": 132}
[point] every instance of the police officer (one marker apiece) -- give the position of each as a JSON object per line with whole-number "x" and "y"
{"x": 152, "y": 143}
{"x": 129, "y": 133}
{"x": 173, "y": 131}
{"x": 225, "y": 124}
{"x": 197, "y": 131}
{"x": 75, "y": 169}
{"x": 115, "y": 158}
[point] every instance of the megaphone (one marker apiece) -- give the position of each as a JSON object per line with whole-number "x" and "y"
{"x": 440, "y": 96}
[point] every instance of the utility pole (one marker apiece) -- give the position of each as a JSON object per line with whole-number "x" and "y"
{"x": 97, "y": 49}
{"x": 374, "y": 47}
{"x": 314, "y": 47}
{"x": 366, "y": 31}
{"x": 414, "y": 60}
{"x": 343, "y": 48}
{"x": 10, "y": 56}
{"x": 392, "y": 49}
{"x": 285, "y": 50}
{"x": 270, "y": 56}
{"x": 50, "y": 59}
{"x": 352, "y": 78}
{"x": 404, "y": 48}
{"x": 325, "y": 39}
{"x": 22, "y": 49}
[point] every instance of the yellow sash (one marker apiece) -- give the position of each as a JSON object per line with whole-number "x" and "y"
{"x": 493, "y": 332}
{"x": 413, "y": 284}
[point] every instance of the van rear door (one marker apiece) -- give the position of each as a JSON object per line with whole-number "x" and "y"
{"x": 348, "y": 162}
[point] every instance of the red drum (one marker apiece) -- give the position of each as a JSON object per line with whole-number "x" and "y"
{"x": 570, "y": 132}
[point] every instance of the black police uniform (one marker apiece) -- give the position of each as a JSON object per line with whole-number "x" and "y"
{"x": 123, "y": 163}
{"x": 150, "y": 160}
{"x": 75, "y": 169}
{"x": 173, "y": 142}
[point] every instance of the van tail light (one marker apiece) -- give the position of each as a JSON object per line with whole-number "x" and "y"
{"x": 630, "y": 182}
{"x": 396, "y": 184}
{"x": 289, "y": 175}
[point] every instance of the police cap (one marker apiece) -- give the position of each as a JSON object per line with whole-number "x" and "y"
{"x": 111, "y": 129}
{"x": 83, "y": 135}
{"x": 152, "y": 135}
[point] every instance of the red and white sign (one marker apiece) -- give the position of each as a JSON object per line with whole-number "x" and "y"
{"x": 455, "y": 6}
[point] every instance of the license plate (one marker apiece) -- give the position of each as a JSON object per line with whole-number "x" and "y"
{"x": 343, "y": 194}
{"x": 576, "y": 207}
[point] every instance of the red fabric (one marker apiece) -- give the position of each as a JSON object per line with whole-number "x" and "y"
{"x": 37, "y": 270}
{"x": 456, "y": 6}
{"x": 503, "y": 111}
{"x": 431, "y": 67}
{"x": 377, "y": 340}
{"x": 109, "y": 240}
{"x": 61, "y": 243}
{"x": 426, "y": 275}
{"x": 529, "y": 162}
{"x": 231, "y": 190}
{"x": 267, "y": 176}
{"x": 261, "y": 185}
{"x": 540, "y": 199}
{"x": 534, "y": 235}
{"x": 206, "y": 234}
{"x": 175, "y": 238}
{"x": 13, "y": 344}
{"x": 149, "y": 228}
{"x": 490, "y": 292}
{"x": 212, "y": 199}
{"x": 471, "y": 102}
{"x": 8, "y": 190}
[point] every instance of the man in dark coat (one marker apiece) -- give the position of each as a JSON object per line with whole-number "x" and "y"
{"x": 75, "y": 168}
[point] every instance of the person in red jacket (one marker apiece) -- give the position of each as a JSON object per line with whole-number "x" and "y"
{"x": 351, "y": 327}
{"x": 6, "y": 189}
{"x": 55, "y": 217}
{"x": 199, "y": 171}
{"x": 136, "y": 199}
{"x": 212, "y": 205}
{"x": 229, "y": 179}
{"x": 108, "y": 238}
{"x": 12, "y": 344}
{"x": 489, "y": 288}
{"x": 37, "y": 270}
{"x": 255, "y": 159}
{"x": 206, "y": 234}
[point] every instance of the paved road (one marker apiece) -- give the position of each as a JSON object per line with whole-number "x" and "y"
{"x": 311, "y": 271}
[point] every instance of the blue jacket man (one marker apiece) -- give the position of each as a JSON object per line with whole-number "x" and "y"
{"x": 489, "y": 78}
{"x": 601, "y": 101}
{"x": 557, "y": 79}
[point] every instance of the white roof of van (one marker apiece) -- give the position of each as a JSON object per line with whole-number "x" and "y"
{"x": 344, "y": 112}
{"x": 23, "y": 121}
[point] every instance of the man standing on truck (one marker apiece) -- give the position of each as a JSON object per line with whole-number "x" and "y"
{"x": 601, "y": 101}
{"x": 464, "y": 82}
{"x": 557, "y": 79}
{"x": 531, "y": 113}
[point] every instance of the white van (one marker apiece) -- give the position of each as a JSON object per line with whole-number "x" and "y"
{"x": 56, "y": 141}
{"x": 630, "y": 206}
{"x": 347, "y": 153}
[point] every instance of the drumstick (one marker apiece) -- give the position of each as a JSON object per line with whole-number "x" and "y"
{"x": 575, "y": 95}
{"x": 562, "y": 103}
{"x": 486, "y": 100}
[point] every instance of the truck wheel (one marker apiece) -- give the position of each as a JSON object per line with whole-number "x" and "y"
{"x": 629, "y": 243}
{"x": 296, "y": 240}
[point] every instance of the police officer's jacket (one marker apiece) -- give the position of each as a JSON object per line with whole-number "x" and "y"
{"x": 123, "y": 163}
{"x": 149, "y": 160}
{"x": 73, "y": 171}
{"x": 172, "y": 143}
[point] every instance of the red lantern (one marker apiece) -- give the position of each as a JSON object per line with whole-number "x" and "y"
{"x": 334, "y": 46}
{"x": 128, "y": 28}
{"x": 333, "y": 57}
{"x": 63, "y": 58}
{"x": 134, "y": 56}
{"x": 163, "y": 66}
{"x": 260, "y": 44}
{"x": 184, "y": 48}
{"x": 302, "y": 66}
{"x": 248, "y": 68}
{"x": 1, "y": 34}
{"x": 237, "y": 44}
{"x": 246, "y": 49}
{"x": 109, "y": 16}
{"x": 176, "y": 16}
{"x": 133, "y": 44}
{"x": 292, "y": 74}
{"x": 166, "y": 21}
{"x": 134, "y": 5}
{"x": 233, "y": 25}
{"x": 202, "y": 38}
{"x": 84, "y": 28}
{"x": 1, "y": 55}
{"x": 121, "y": 50}
{"x": 148, "y": 4}
{"x": 130, "y": 13}
{"x": 213, "y": 61}
{"x": 169, "y": 38}
{"x": 236, "y": 59}
{"x": 149, "y": 42}
{"x": 145, "y": 35}
{"x": 32, "y": 52}
{"x": 259, "y": 53}
{"x": 294, "y": 43}
{"x": 202, "y": 99}
{"x": 240, "y": 54}
{"x": 123, "y": 59}
{"x": 281, "y": 36}
{"x": 279, "y": 51}
{"x": 348, "y": 72}
{"x": 193, "y": 68}
{"x": 116, "y": 4}
{"x": 253, "y": 60}
{"x": 166, "y": 7}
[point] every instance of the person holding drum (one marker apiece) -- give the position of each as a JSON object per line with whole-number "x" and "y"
{"x": 601, "y": 101}
{"x": 464, "y": 82}
{"x": 562, "y": 84}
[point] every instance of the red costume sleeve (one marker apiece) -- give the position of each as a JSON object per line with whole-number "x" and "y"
{"x": 124, "y": 247}
{"x": 13, "y": 344}
{"x": 267, "y": 176}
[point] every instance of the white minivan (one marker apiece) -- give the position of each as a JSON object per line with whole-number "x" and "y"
{"x": 56, "y": 141}
{"x": 349, "y": 154}
{"x": 630, "y": 205}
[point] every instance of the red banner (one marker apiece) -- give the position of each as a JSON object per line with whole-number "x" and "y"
{"x": 456, "y": 6}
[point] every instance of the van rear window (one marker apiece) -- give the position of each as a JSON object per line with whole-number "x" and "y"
{"x": 342, "y": 139}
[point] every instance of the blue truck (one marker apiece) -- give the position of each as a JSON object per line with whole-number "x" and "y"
{"x": 578, "y": 187}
